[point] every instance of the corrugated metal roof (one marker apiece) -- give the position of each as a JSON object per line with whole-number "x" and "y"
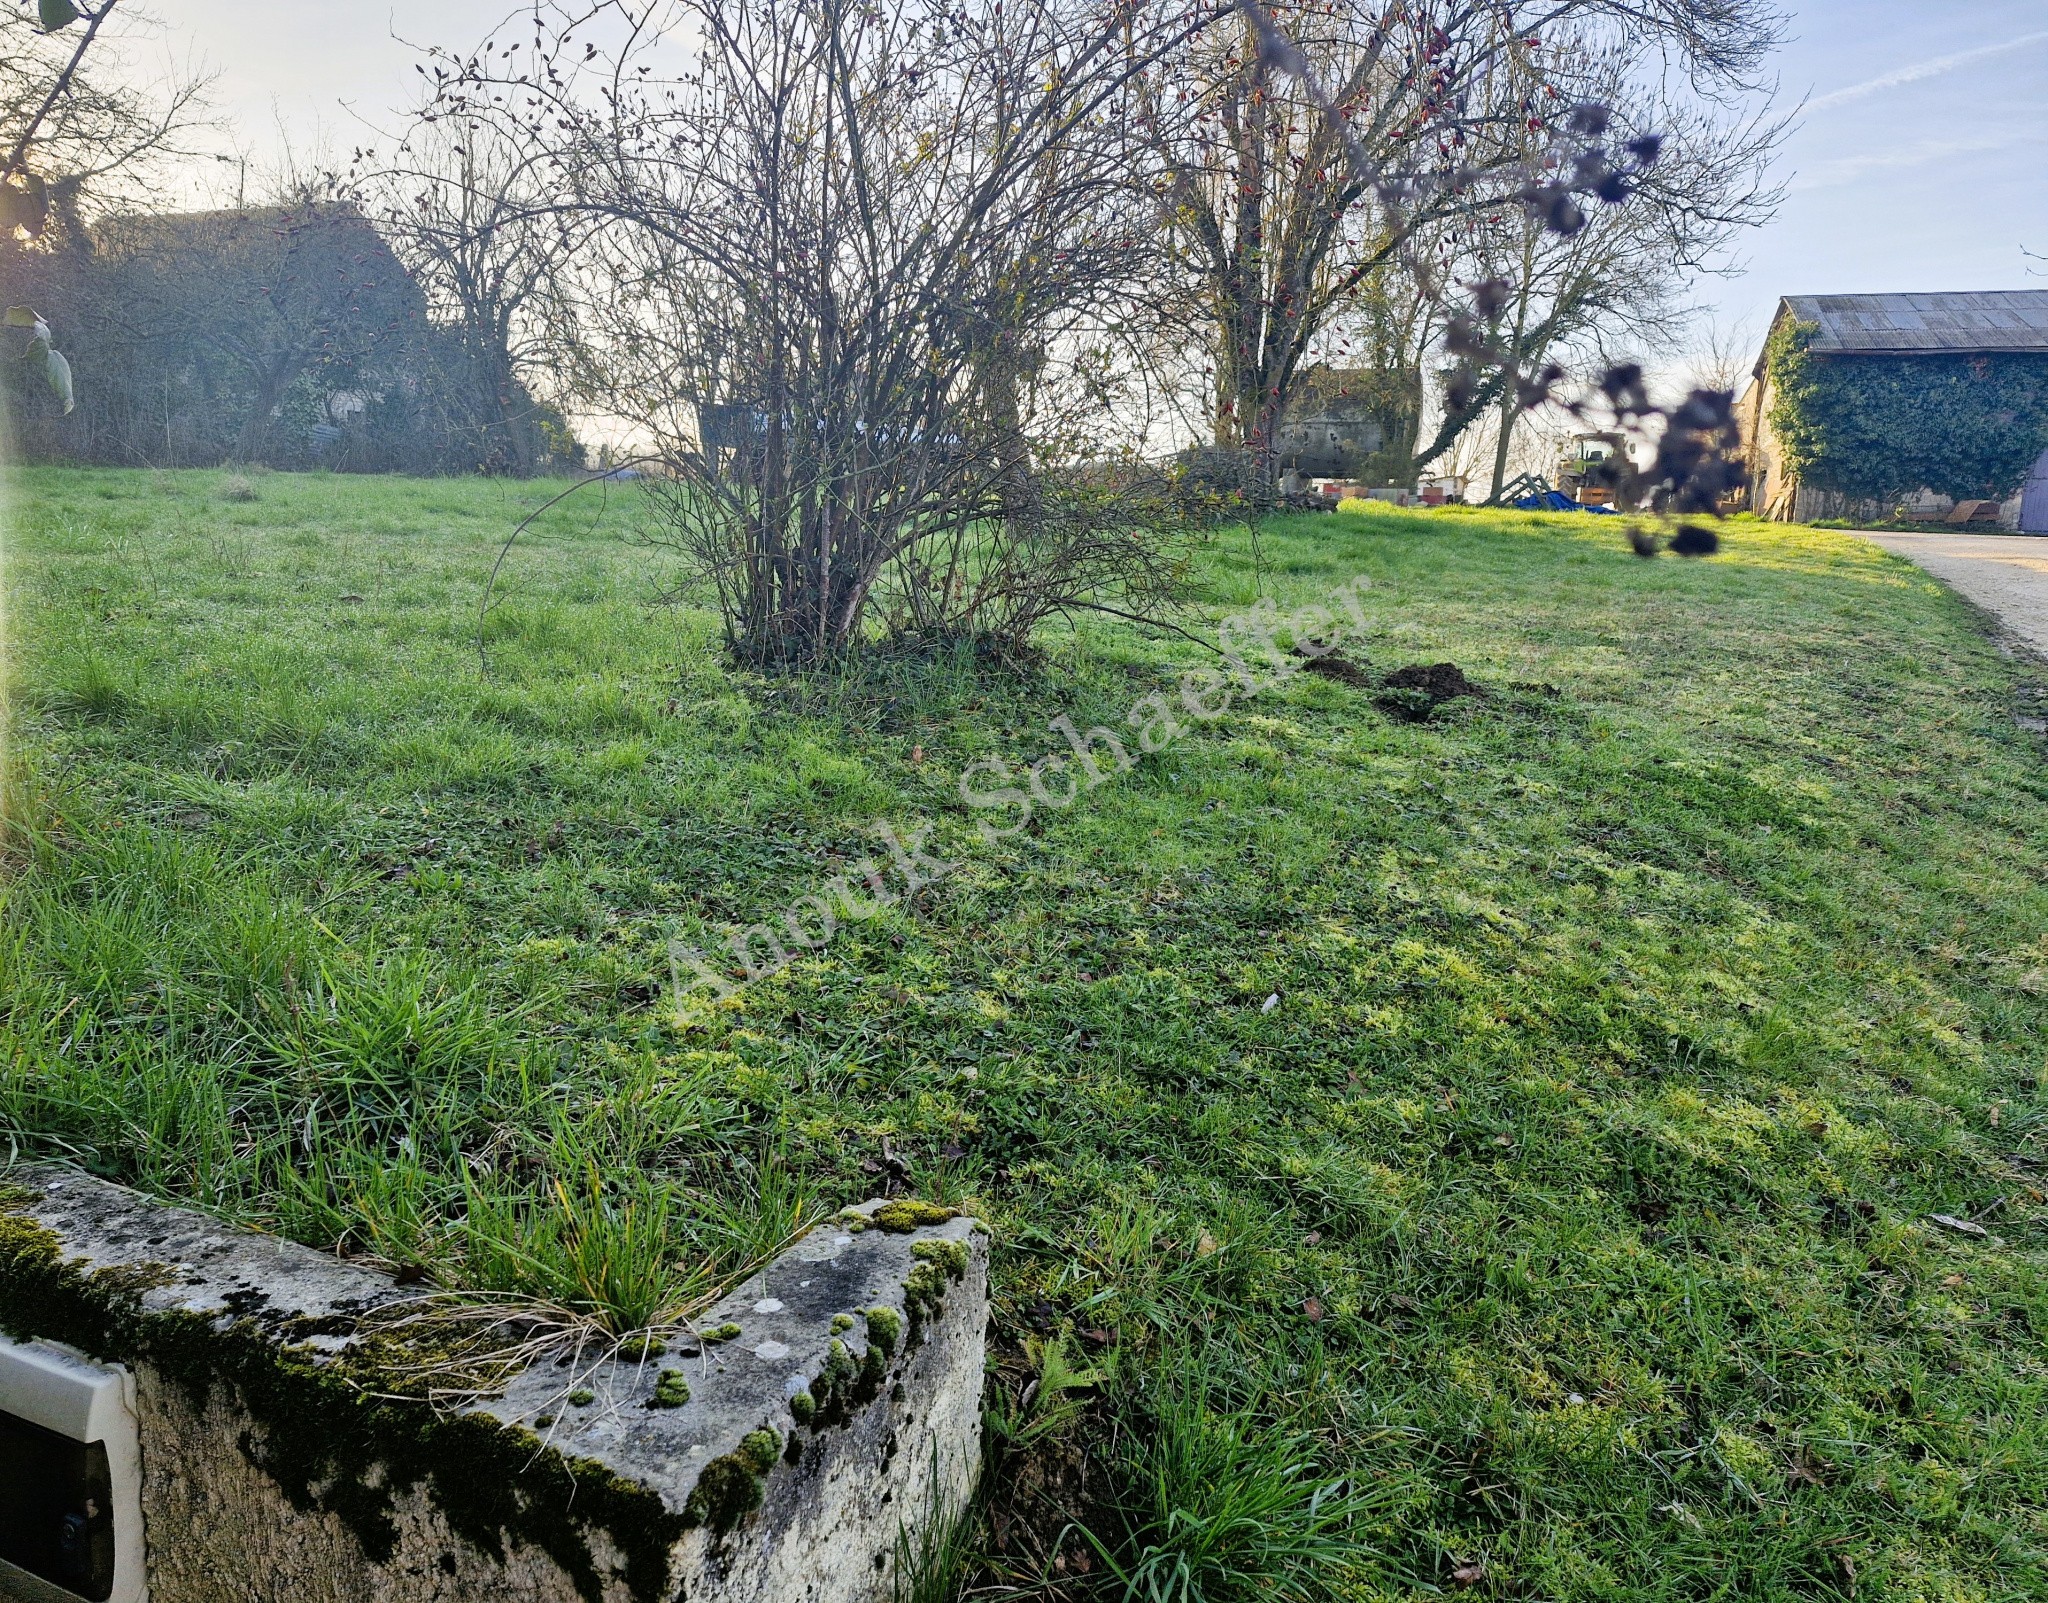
{"x": 1985, "y": 320}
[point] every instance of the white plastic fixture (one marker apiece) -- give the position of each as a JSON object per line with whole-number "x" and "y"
{"x": 70, "y": 1478}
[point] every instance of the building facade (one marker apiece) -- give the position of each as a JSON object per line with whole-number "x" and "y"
{"x": 1913, "y": 401}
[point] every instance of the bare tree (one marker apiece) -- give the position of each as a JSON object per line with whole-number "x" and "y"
{"x": 65, "y": 135}
{"x": 854, "y": 275}
{"x": 69, "y": 136}
{"x": 468, "y": 213}
{"x": 1299, "y": 152}
{"x": 1614, "y": 283}
{"x": 1721, "y": 355}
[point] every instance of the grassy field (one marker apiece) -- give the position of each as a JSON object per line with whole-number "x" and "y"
{"x": 1494, "y": 1153}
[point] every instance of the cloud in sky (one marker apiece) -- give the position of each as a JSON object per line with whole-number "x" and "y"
{"x": 1847, "y": 169}
{"x": 1922, "y": 69}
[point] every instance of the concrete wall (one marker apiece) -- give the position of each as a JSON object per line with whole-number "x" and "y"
{"x": 291, "y": 1450}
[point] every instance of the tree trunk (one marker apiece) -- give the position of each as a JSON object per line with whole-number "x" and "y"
{"x": 1510, "y": 403}
{"x": 1500, "y": 449}
{"x": 270, "y": 388}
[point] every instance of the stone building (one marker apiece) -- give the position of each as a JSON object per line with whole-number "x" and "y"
{"x": 1332, "y": 429}
{"x": 1862, "y": 405}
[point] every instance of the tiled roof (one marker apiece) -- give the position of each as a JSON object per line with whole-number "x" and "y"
{"x": 1987, "y": 320}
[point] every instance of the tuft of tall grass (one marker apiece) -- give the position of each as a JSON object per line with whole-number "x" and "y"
{"x": 90, "y": 690}
{"x": 1223, "y": 1494}
{"x": 628, "y": 1247}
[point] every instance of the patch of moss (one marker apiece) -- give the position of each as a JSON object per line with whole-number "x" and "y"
{"x": 841, "y": 1322}
{"x": 839, "y": 1366}
{"x": 730, "y": 1488}
{"x": 885, "y": 1329}
{"x": 804, "y": 1406}
{"x": 844, "y": 1382}
{"x": 581, "y": 1398}
{"x": 671, "y": 1390}
{"x": 718, "y": 1333}
{"x": 428, "y": 1356}
{"x": 726, "y": 1493}
{"x": 909, "y": 1213}
{"x": 950, "y": 1256}
{"x": 761, "y": 1448}
{"x": 924, "y": 1293}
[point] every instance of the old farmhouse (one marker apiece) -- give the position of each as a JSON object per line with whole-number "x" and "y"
{"x": 1874, "y": 406}
{"x": 292, "y": 336}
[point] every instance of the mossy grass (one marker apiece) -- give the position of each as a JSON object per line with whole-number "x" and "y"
{"x": 1628, "y": 1023}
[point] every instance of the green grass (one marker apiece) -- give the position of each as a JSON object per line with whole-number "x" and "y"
{"x": 1626, "y": 1037}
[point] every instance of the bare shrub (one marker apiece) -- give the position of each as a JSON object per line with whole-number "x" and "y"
{"x": 858, "y": 274}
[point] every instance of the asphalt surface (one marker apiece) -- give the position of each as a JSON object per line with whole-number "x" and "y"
{"x": 2005, "y": 574}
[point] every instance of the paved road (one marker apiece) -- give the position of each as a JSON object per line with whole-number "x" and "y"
{"x": 2005, "y": 574}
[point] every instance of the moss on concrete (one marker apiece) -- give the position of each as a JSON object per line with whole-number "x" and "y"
{"x": 731, "y": 1486}
{"x": 909, "y": 1213}
{"x": 885, "y": 1329}
{"x": 924, "y": 1293}
{"x": 726, "y": 1493}
{"x": 330, "y": 1445}
{"x": 950, "y": 1256}
{"x": 761, "y": 1448}
{"x": 845, "y": 1383}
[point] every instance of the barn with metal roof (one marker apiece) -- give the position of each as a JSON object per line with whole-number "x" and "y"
{"x": 1957, "y": 335}
{"x": 1991, "y": 320}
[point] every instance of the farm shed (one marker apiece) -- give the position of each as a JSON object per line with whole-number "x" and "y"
{"x": 1860, "y": 403}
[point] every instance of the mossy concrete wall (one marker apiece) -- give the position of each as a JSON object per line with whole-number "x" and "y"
{"x": 312, "y": 1432}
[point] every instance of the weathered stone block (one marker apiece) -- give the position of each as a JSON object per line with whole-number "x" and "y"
{"x": 311, "y": 1432}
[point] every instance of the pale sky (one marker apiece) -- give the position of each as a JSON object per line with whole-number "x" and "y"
{"x": 1920, "y": 161}
{"x": 315, "y": 68}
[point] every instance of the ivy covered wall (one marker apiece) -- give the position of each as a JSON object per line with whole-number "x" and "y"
{"x": 1883, "y": 426}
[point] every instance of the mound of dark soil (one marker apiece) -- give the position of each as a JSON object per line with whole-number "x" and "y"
{"x": 1413, "y": 694}
{"x": 1440, "y": 681}
{"x": 1333, "y": 665}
